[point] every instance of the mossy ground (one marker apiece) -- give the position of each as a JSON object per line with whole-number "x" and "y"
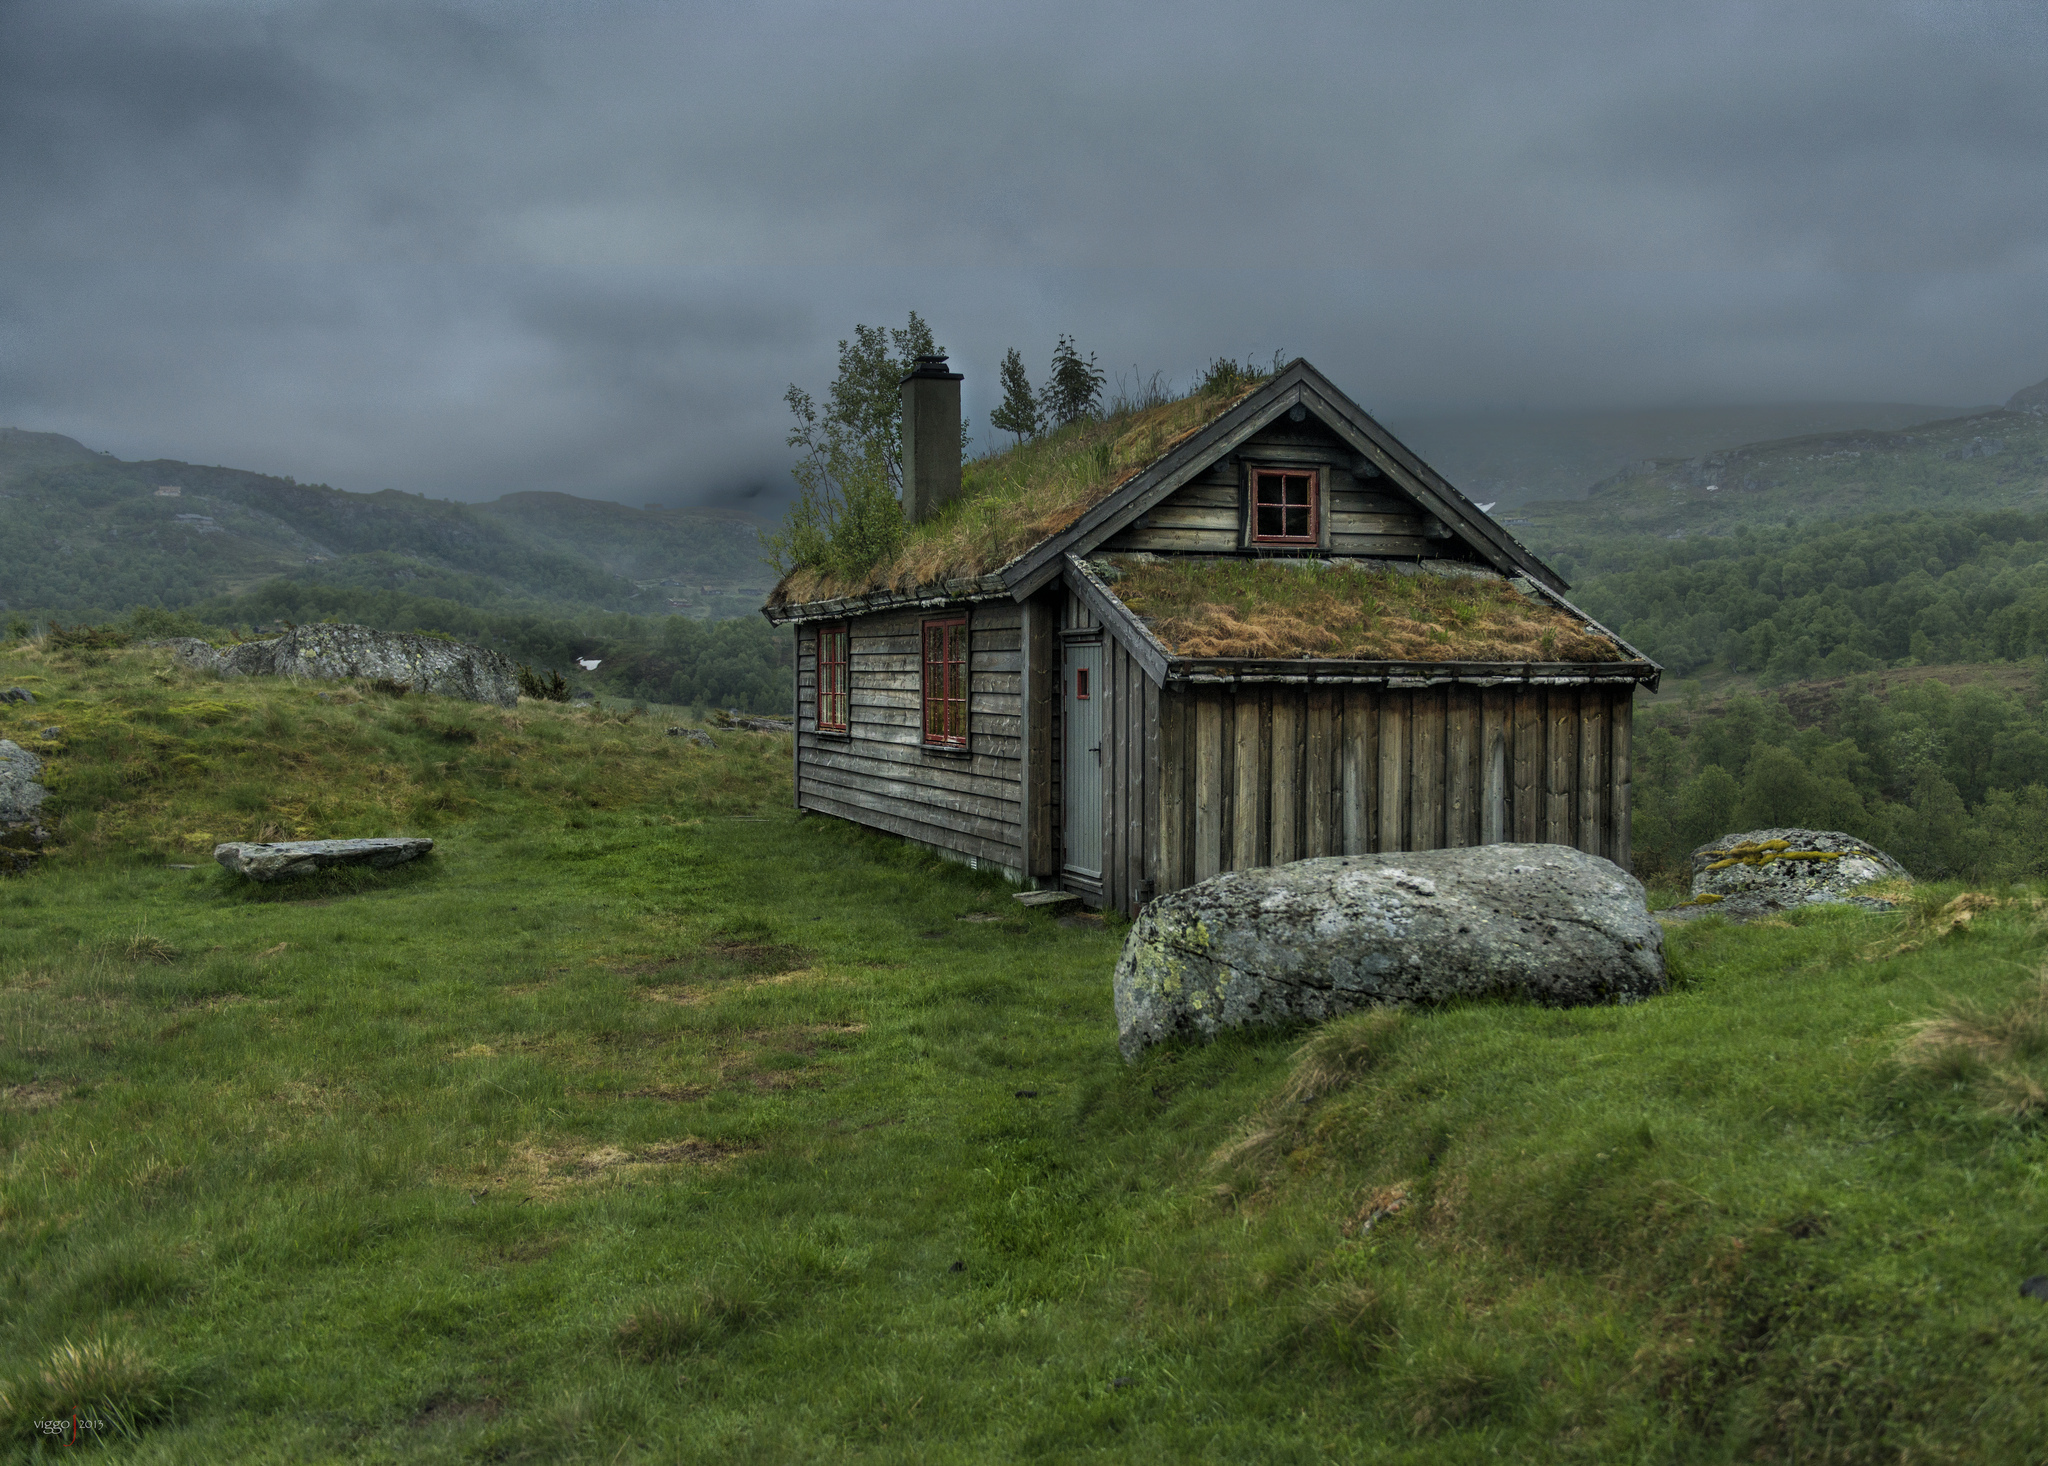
{"x": 647, "y": 1121}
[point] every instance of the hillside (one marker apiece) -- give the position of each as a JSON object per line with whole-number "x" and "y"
{"x": 86, "y": 534}
{"x": 646, "y": 1121}
{"x": 1989, "y": 460}
{"x": 1513, "y": 458}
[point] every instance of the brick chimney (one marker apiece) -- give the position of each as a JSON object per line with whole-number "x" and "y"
{"x": 931, "y": 438}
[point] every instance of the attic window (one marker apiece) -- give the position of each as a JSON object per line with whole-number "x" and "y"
{"x": 832, "y": 678}
{"x": 1284, "y": 506}
{"x": 945, "y": 683}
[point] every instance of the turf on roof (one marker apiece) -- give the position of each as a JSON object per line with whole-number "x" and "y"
{"x": 1013, "y": 500}
{"x": 1281, "y": 609}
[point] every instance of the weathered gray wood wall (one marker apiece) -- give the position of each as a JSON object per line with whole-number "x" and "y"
{"x": 1222, "y": 777}
{"x": 881, "y": 774}
{"x": 1367, "y": 515}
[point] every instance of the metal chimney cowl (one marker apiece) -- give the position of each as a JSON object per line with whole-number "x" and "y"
{"x": 931, "y": 438}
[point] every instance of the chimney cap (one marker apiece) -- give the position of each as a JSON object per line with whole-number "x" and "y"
{"x": 933, "y": 368}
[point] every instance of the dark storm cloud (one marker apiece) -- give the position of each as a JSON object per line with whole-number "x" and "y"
{"x": 471, "y": 248}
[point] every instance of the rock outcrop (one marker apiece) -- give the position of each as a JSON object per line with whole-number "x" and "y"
{"x": 21, "y": 802}
{"x": 274, "y": 862}
{"x": 1766, "y": 871}
{"x": 413, "y": 663}
{"x": 1322, "y": 937}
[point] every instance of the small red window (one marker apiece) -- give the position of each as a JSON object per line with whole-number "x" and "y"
{"x": 945, "y": 683}
{"x": 1081, "y": 684}
{"x": 832, "y": 679}
{"x": 1284, "y": 506}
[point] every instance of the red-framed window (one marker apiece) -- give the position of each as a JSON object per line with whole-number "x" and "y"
{"x": 945, "y": 682}
{"x": 832, "y": 678}
{"x": 1284, "y": 506}
{"x": 1080, "y": 684}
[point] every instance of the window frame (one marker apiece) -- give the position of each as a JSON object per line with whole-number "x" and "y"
{"x": 950, "y": 694}
{"x": 844, "y": 692}
{"x": 1314, "y": 474}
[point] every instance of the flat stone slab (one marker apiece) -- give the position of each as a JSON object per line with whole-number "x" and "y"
{"x": 303, "y": 857}
{"x": 1046, "y": 898}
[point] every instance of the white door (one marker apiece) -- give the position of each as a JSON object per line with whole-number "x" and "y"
{"x": 1081, "y": 767}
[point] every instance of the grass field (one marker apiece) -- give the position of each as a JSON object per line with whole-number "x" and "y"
{"x": 648, "y": 1121}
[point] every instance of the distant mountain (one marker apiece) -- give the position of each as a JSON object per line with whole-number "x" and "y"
{"x": 1996, "y": 459}
{"x": 2030, "y": 399}
{"x": 84, "y": 532}
{"x": 1516, "y": 457}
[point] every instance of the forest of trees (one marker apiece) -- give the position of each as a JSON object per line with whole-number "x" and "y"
{"x": 1950, "y": 782}
{"x": 1833, "y": 599}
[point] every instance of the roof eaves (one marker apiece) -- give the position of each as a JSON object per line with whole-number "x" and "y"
{"x": 1037, "y": 566}
{"x": 939, "y": 593}
{"x": 1431, "y": 489}
{"x": 1317, "y": 671}
{"x": 1137, "y": 638}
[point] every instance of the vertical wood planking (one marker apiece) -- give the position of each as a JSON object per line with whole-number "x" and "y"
{"x": 1592, "y": 780}
{"x": 1171, "y": 761}
{"x": 1495, "y": 711}
{"x": 1285, "y": 843}
{"x": 1561, "y": 729}
{"x": 1394, "y": 776}
{"x": 1144, "y": 783}
{"x": 1426, "y": 719}
{"x": 1461, "y": 792}
{"x": 1119, "y": 807}
{"x": 1527, "y": 751}
{"x": 1354, "y": 769}
{"x": 1245, "y": 779}
{"x": 1620, "y": 735}
{"x": 1317, "y": 800}
{"x": 1208, "y": 782}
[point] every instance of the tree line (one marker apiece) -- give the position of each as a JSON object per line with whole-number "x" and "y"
{"x": 1831, "y": 600}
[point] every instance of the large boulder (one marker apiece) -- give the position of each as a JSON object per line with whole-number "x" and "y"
{"x": 1322, "y": 937}
{"x": 273, "y": 862}
{"x": 1765, "y": 871}
{"x": 21, "y": 802}
{"x": 415, "y": 663}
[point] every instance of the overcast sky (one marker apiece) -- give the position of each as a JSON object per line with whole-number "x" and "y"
{"x": 472, "y": 248}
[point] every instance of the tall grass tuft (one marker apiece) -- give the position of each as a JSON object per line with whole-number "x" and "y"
{"x": 1998, "y": 1053}
{"x": 100, "y": 1378}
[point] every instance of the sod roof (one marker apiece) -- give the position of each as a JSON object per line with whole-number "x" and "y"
{"x": 1013, "y": 500}
{"x": 1278, "y": 609}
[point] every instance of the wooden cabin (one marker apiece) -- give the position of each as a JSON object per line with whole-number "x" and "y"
{"x": 1264, "y": 631}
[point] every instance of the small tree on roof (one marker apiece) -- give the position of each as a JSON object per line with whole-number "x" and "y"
{"x": 1075, "y": 388}
{"x": 1019, "y": 413}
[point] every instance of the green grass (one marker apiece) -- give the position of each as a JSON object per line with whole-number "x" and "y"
{"x": 681, "y": 1128}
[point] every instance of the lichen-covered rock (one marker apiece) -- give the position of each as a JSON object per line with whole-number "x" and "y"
{"x": 1322, "y": 937}
{"x": 1763, "y": 871}
{"x": 273, "y": 862}
{"x": 417, "y": 663}
{"x": 21, "y": 801}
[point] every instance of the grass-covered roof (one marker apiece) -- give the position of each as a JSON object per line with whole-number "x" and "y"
{"x": 1012, "y": 500}
{"x": 1283, "y": 609}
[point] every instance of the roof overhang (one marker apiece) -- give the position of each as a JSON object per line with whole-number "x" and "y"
{"x": 1300, "y": 385}
{"x": 918, "y": 598}
{"x": 1163, "y": 667}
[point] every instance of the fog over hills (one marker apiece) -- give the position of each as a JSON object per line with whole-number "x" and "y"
{"x": 82, "y": 532}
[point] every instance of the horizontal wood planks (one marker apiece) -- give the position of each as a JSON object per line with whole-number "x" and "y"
{"x": 1265, "y": 774}
{"x": 1366, "y": 515}
{"x": 882, "y": 774}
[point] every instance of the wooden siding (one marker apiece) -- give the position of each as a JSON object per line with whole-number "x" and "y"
{"x": 1264, "y": 774}
{"x": 1364, "y": 514}
{"x": 881, "y": 774}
